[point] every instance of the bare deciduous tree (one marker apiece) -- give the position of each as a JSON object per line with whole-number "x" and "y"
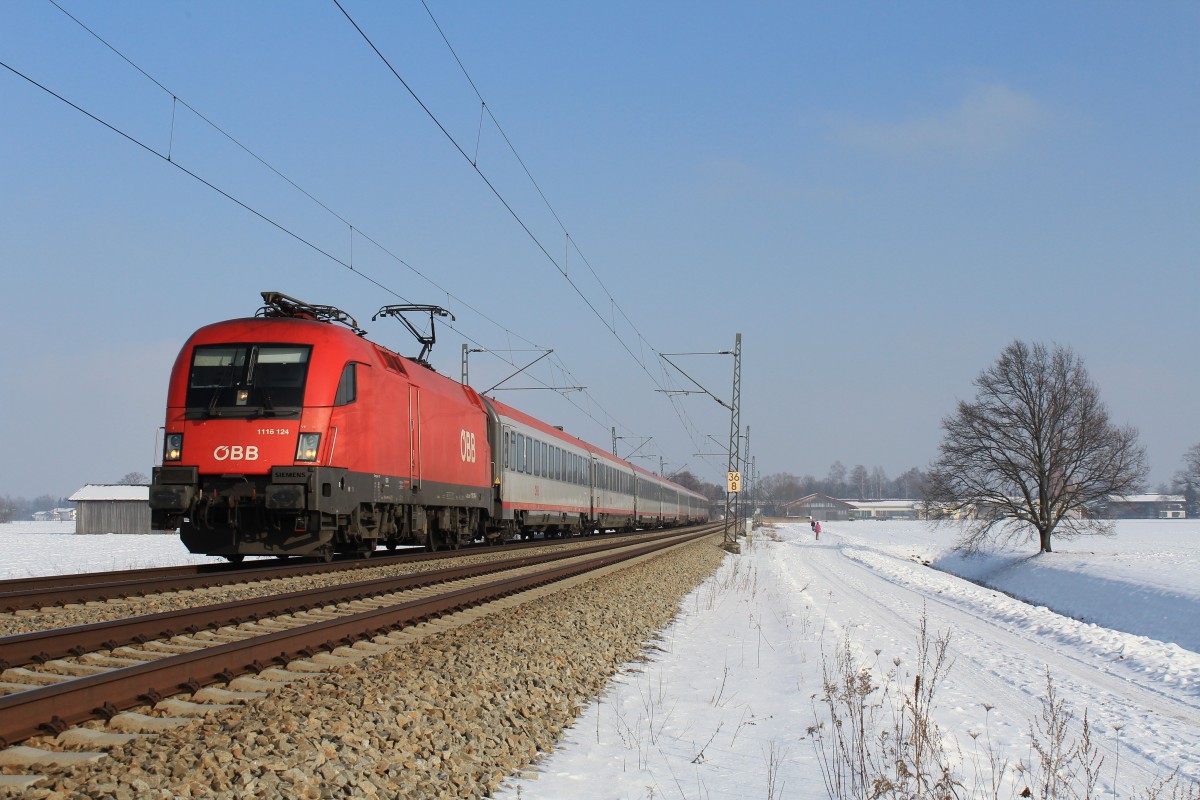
{"x": 858, "y": 481}
{"x": 8, "y": 508}
{"x": 1035, "y": 452}
{"x": 780, "y": 488}
{"x": 1187, "y": 480}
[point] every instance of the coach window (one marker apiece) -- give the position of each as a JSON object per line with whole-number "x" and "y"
{"x": 529, "y": 454}
{"x": 519, "y": 463}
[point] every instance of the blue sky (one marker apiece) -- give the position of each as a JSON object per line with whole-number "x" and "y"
{"x": 878, "y": 196}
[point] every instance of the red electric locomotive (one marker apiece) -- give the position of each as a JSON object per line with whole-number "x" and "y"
{"x": 288, "y": 435}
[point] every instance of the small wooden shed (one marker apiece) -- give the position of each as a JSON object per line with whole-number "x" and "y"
{"x": 105, "y": 508}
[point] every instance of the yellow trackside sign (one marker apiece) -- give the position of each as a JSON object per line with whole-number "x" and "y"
{"x": 735, "y": 482}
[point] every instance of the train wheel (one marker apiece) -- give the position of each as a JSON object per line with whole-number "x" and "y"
{"x": 235, "y": 558}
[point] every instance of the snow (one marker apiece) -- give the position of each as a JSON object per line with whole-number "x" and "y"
{"x": 108, "y": 491}
{"x": 53, "y": 548}
{"x": 722, "y": 705}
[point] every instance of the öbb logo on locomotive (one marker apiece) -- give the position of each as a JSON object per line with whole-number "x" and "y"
{"x": 466, "y": 446}
{"x": 236, "y": 452}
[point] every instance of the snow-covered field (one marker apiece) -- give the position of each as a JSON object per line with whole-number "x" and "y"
{"x": 723, "y": 703}
{"x": 724, "y": 707}
{"x": 52, "y": 548}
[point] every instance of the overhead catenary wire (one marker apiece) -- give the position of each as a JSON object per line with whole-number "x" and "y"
{"x": 168, "y": 157}
{"x": 571, "y": 243}
{"x": 499, "y": 196}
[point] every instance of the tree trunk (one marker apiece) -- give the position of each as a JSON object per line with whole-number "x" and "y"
{"x": 1044, "y": 536}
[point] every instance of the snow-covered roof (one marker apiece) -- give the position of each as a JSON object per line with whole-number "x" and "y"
{"x": 898, "y": 504}
{"x": 105, "y": 491}
{"x": 1146, "y": 498}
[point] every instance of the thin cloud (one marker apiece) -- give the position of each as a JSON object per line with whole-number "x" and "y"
{"x": 990, "y": 120}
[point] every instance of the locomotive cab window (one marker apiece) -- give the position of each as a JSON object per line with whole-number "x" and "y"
{"x": 347, "y": 390}
{"x": 247, "y": 380}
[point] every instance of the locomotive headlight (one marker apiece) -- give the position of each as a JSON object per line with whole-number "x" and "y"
{"x": 173, "y": 447}
{"x": 307, "y": 448}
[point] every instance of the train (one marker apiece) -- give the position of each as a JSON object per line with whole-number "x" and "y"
{"x": 290, "y": 433}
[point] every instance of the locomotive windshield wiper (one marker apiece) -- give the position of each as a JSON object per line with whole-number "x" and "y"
{"x": 212, "y": 404}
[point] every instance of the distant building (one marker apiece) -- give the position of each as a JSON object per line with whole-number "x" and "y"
{"x": 1147, "y": 506}
{"x": 102, "y": 508}
{"x": 884, "y": 509}
{"x": 820, "y": 507}
{"x": 55, "y": 515}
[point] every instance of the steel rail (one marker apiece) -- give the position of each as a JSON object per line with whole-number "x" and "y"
{"x": 41, "y": 646}
{"x": 56, "y": 590}
{"x": 52, "y": 709}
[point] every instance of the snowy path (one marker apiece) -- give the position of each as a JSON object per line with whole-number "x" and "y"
{"x": 1003, "y": 647}
{"x": 723, "y": 710}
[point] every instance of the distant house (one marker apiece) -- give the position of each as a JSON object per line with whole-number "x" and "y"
{"x": 104, "y": 508}
{"x": 55, "y": 515}
{"x": 1147, "y": 506}
{"x": 818, "y": 506}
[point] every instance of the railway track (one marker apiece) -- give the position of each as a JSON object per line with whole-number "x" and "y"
{"x": 97, "y": 671}
{"x": 20, "y": 594}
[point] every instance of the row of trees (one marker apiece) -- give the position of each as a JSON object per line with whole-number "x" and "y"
{"x": 14, "y": 508}
{"x": 853, "y": 484}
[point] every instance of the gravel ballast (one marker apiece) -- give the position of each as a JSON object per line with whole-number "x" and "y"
{"x": 449, "y": 715}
